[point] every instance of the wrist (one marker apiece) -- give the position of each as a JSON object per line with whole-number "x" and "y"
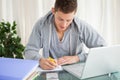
{"x": 77, "y": 58}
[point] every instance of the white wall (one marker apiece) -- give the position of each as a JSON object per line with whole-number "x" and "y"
{"x": 103, "y": 15}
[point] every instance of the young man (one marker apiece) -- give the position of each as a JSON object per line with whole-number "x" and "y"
{"x": 61, "y": 35}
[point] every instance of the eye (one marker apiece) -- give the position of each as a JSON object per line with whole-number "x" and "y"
{"x": 68, "y": 20}
{"x": 60, "y": 19}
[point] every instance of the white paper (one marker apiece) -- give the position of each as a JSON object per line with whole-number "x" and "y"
{"x": 58, "y": 68}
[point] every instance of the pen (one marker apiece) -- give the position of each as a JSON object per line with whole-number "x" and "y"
{"x": 51, "y": 59}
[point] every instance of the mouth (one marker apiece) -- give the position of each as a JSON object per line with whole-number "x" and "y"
{"x": 62, "y": 27}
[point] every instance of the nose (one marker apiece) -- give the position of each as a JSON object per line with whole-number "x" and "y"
{"x": 64, "y": 23}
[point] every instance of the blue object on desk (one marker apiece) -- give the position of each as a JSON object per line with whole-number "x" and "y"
{"x": 16, "y": 69}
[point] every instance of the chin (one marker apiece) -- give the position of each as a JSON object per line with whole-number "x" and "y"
{"x": 63, "y": 29}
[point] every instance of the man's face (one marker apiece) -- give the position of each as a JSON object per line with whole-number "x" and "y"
{"x": 62, "y": 20}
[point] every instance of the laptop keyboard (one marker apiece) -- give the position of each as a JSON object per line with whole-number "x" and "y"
{"x": 75, "y": 69}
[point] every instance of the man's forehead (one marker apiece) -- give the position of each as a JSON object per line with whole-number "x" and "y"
{"x": 67, "y": 16}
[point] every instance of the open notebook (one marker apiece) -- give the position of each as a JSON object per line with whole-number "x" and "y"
{"x": 100, "y": 61}
{"x": 58, "y": 68}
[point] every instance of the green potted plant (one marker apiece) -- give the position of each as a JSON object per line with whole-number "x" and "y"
{"x": 10, "y": 42}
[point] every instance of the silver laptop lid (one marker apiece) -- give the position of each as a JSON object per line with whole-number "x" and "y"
{"x": 102, "y": 60}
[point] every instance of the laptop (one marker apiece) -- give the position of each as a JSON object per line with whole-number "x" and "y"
{"x": 100, "y": 61}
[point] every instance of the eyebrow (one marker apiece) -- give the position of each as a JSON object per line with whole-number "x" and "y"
{"x": 63, "y": 19}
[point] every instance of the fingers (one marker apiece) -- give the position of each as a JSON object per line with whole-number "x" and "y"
{"x": 64, "y": 60}
{"x": 50, "y": 65}
{"x": 54, "y": 64}
{"x": 68, "y": 60}
{"x": 47, "y": 64}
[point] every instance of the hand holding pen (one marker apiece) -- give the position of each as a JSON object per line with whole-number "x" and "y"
{"x": 48, "y": 63}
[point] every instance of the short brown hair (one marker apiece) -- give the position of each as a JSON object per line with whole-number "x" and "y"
{"x": 66, "y": 6}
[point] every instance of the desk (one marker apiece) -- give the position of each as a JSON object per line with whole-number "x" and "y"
{"x": 63, "y": 75}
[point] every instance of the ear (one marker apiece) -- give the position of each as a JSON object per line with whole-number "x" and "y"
{"x": 53, "y": 10}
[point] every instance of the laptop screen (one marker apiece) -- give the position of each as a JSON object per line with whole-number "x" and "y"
{"x": 100, "y": 61}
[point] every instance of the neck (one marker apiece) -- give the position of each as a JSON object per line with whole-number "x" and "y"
{"x": 60, "y": 32}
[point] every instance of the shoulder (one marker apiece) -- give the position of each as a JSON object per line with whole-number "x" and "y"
{"x": 81, "y": 24}
{"x": 43, "y": 21}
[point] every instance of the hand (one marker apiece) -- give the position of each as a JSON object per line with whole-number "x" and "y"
{"x": 46, "y": 64}
{"x": 68, "y": 60}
